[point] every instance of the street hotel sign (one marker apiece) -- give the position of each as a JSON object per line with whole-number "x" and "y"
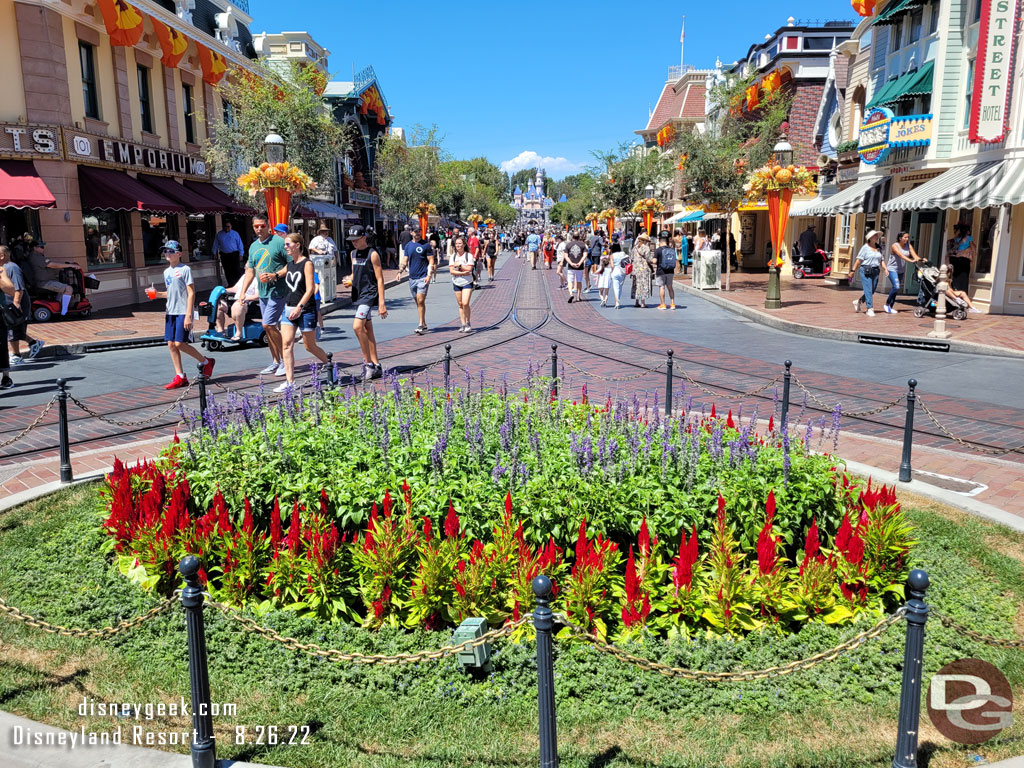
{"x": 130, "y": 156}
{"x": 993, "y": 76}
{"x": 882, "y": 131}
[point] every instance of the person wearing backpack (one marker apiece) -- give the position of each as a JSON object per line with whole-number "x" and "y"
{"x": 593, "y": 257}
{"x": 664, "y": 269}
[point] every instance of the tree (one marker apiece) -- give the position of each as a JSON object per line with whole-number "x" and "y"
{"x": 288, "y": 103}
{"x": 522, "y": 178}
{"x": 718, "y": 162}
{"x": 408, "y": 173}
{"x": 625, "y": 173}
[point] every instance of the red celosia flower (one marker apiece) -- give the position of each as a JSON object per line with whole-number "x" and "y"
{"x": 407, "y": 495}
{"x": 427, "y": 529}
{"x": 855, "y": 553}
{"x": 729, "y": 422}
{"x": 769, "y": 507}
{"x": 812, "y": 547}
{"x": 275, "y": 524}
{"x": 451, "y": 522}
{"x": 720, "y": 520}
{"x": 323, "y": 503}
{"x": 387, "y": 503}
{"x": 247, "y": 520}
{"x": 771, "y": 423}
{"x": 712, "y": 410}
{"x": 294, "y": 529}
{"x": 767, "y": 550}
{"x": 843, "y": 534}
{"x": 644, "y": 539}
{"x": 508, "y": 506}
{"x": 682, "y": 573}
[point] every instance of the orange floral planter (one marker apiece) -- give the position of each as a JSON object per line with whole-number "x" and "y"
{"x": 279, "y": 203}
{"x": 779, "y": 202}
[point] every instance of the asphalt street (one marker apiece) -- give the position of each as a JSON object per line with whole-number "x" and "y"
{"x": 697, "y": 322}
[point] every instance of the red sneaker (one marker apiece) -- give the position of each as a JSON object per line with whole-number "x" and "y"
{"x": 177, "y": 383}
{"x": 208, "y": 368}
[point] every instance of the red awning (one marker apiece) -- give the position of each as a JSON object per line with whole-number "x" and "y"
{"x": 179, "y": 193}
{"x": 108, "y": 190}
{"x": 216, "y": 196}
{"x": 21, "y": 187}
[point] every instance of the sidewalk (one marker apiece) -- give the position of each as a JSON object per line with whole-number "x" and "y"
{"x": 815, "y": 308}
{"x": 134, "y": 324}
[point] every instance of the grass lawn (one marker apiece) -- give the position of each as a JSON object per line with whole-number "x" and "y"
{"x": 841, "y": 713}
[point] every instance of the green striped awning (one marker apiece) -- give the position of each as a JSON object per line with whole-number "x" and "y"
{"x": 894, "y": 11}
{"x": 883, "y": 94}
{"x": 916, "y": 83}
{"x": 964, "y": 187}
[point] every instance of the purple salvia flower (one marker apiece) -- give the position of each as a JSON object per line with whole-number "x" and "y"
{"x": 807, "y": 437}
{"x": 786, "y": 462}
{"x": 837, "y": 415}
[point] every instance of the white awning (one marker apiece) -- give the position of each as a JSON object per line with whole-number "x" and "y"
{"x": 965, "y": 187}
{"x": 323, "y": 210}
{"x": 850, "y": 200}
{"x": 690, "y": 214}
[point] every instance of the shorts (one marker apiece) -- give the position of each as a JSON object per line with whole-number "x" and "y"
{"x": 418, "y": 285}
{"x": 577, "y": 275}
{"x": 306, "y": 321}
{"x": 458, "y": 288}
{"x": 663, "y": 281}
{"x": 492, "y": 256}
{"x": 271, "y": 310}
{"x": 364, "y": 312}
{"x": 174, "y": 329}
{"x": 56, "y": 286}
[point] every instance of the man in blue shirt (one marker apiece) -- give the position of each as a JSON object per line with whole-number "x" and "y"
{"x": 418, "y": 256}
{"x": 227, "y": 245}
{"x": 532, "y": 246}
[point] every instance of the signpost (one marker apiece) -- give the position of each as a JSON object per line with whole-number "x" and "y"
{"x": 993, "y": 76}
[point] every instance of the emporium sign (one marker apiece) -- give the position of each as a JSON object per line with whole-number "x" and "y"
{"x": 993, "y": 79}
{"x": 130, "y": 156}
{"x": 882, "y": 132}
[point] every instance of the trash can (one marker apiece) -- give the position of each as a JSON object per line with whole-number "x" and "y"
{"x": 707, "y": 270}
{"x": 328, "y": 278}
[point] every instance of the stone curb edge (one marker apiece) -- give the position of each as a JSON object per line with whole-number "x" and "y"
{"x": 963, "y": 347}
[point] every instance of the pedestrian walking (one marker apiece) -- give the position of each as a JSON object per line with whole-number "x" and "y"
{"x": 664, "y": 270}
{"x": 301, "y": 309}
{"x": 7, "y": 289}
{"x": 900, "y": 254}
{"x": 461, "y": 270}
{"x": 549, "y": 252}
{"x": 418, "y": 258}
{"x": 641, "y": 270}
{"x": 604, "y": 278}
{"x": 576, "y": 263}
{"x": 17, "y": 332}
{"x": 533, "y": 243}
{"x": 228, "y": 247}
{"x": 367, "y": 283}
{"x": 180, "y": 292}
{"x": 593, "y": 257}
{"x": 323, "y": 245}
{"x": 869, "y": 262}
{"x": 491, "y": 254}
{"x": 619, "y": 259}
{"x": 266, "y": 264}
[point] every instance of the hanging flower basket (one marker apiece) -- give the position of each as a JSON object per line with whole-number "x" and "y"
{"x": 278, "y": 182}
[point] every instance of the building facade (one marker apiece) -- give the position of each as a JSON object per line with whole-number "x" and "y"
{"x": 108, "y": 113}
{"x": 934, "y": 108}
{"x": 532, "y": 206}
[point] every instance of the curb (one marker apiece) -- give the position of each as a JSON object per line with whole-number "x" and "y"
{"x": 835, "y": 334}
{"x": 93, "y": 347}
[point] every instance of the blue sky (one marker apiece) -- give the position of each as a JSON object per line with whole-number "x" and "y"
{"x": 552, "y": 79}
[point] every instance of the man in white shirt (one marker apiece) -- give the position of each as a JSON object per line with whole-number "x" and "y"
{"x": 323, "y": 243}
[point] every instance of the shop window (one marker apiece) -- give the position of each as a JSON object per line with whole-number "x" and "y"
{"x": 145, "y": 107}
{"x": 15, "y": 223}
{"x": 967, "y": 94}
{"x": 190, "y": 117}
{"x": 106, "y": 240}
{"x": 916, "y": 24}
{"x": 933, "y": 19}
{"x": 986, "y": 240}
{"x": 200, "y": 231}
{"x": 89, "y": 94}
{"x": 157, "y": 229}
{"x": 844, "y": 229}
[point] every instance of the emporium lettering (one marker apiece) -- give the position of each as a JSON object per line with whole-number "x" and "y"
{"x": 126, "y": 153}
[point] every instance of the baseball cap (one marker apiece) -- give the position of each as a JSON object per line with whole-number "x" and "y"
{"x": 38, "y": 244}
{"x": 356, "y": 231}
{"x": 170, "y": 245}
{"x": 282, "y": 228}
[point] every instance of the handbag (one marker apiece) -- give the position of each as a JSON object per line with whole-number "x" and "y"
{"x": 629, "y": 268}
{"x": 13, "y": 316}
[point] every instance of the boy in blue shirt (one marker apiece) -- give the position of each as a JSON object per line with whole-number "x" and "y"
{"x": 181, "y": 298}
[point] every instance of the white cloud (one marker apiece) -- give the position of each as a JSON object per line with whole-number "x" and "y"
{"x": 555, "y": 167}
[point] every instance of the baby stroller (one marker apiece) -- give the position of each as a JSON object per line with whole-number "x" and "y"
{"x": 252, "y": 330}
{"x": 929, "y": 294}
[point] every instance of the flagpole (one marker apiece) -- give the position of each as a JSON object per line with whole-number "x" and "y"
{"x": 682, "y": 36}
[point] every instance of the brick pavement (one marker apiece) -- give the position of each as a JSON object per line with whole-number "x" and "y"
{"x": 813, "y": 302}
{"x": 610, "y": 359}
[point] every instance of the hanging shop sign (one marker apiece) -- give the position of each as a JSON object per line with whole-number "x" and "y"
{"x": 993, "y": 76}
{"x": 882, "y": 132}
{"x": 86, "y": 147}
{"x": 362, "y": 198}
{"x": 28, "y": 142}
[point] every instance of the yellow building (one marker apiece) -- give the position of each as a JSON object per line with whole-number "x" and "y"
{"x": 109, "y": 114}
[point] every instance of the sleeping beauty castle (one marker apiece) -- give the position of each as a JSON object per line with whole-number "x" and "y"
{"x": 532, "y": 206}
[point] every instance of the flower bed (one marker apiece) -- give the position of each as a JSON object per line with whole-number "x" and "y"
{"x": 691, "y": 523}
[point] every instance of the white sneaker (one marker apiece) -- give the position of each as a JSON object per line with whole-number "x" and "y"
{"x": 856, "y": 305}
{"x": 17, "y": 360}
{"x": 871, "y": 313}
{"x": 468, "y": 329}
{"x": 975, "y": 310}
{"x": 282, "y": 387}
{"x": 272, "y": 368}
{"x": 280, "y": 370}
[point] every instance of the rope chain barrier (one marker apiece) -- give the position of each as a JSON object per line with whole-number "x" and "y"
{"x": 331, "y": 654}
{"x": 35, "y": 423}
{"x": 56, "y": 629}
{"x": 949, "y": 622}
{"x": 960, "y": 441}
{"x": 853, "y": 414}
{"x": 633, "y": 377}
{"x": 667, "y": 670}
{"x": 138, "y": 423}
{"x": 740, "y": 396}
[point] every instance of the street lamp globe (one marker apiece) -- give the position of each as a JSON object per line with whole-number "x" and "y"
{"x": 649, "y": 190}
{"x": 273, "y": 147}
{"x": 783, "y": 151}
